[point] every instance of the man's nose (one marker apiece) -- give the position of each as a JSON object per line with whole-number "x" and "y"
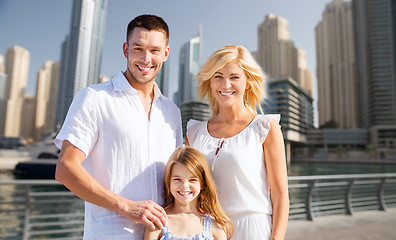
{"x": 146, "y": 56}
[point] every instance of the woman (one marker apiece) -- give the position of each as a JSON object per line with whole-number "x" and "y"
{"x": 245, "y": 150}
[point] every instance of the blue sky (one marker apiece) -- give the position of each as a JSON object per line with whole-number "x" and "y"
{"x": 40, "y": 26}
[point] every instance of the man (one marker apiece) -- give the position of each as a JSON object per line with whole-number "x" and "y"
{"x": 117, "y": 137}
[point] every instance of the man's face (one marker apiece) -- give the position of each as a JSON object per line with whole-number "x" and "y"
{"x": 145, "y": 51}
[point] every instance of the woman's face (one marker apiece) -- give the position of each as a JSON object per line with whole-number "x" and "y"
{"x": 228, "y": 85}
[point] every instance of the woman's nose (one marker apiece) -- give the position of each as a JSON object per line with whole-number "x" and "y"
{"x": 227, "y": 82}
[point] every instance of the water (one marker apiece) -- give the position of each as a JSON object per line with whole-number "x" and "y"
{"x": 310, "y": 168}
{"x": 296, "y": 169}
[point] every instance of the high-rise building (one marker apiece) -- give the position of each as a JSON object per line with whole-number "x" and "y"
{"x": 2, "y": 65}
{"x": 191, "y": 106}
{"x": 287, "y": 98}
{"x": 375, "y": 36}
{"x": 3, "y": 83}
{"x": 335, "y": 66}
{"x": 46, "y": 90}
{"x": 162, "y": 79}
{"x": 189, "y": 63}
{"x": 375, "y": 44}
{"x": 103, "y": 78}
{"x": 81, "y": 52}
{"x": 17, "y": 66}
{"x": 28, "y": 112}
{"x": 278, "y": 56}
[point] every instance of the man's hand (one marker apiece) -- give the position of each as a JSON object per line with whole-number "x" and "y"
{"x": 147, "y": 212}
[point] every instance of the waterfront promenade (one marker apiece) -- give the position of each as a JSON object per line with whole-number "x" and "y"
{"x": 370, "y": 225}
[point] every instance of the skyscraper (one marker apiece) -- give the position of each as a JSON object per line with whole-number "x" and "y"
{"x": 278, "y": 56}
{"x": 375, "y": 44}
{"x": 17, "y": 66}
{"x": 28, "y": 112}
{"x": 81, "y": 52}
{"x": 46, "y": 90}
{"x": 162, "y": 79}
{"x": 189, "y": 63}
{"x": 375, "y": 31}
{"x": 3, "y": 84}
{"x": 191, "y": 106}
{"x": 335, "y": 66}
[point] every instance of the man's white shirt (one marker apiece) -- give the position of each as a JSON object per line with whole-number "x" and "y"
{"x": 125, "y": 150}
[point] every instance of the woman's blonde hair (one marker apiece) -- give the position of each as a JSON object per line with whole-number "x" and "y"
{"x": 240, "y": 55}
{"x": 208, "y": 203}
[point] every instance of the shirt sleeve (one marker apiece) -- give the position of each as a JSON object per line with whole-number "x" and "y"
{"x": 192, "y": 130}
{"x": 264, "y": 125}
{"x": 80, "y": 126}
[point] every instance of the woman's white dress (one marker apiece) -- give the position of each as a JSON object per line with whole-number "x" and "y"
{"x": 239, "y": 171}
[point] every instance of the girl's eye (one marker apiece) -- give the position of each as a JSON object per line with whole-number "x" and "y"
{"x": 194, "y": 180}
{"x": 218, "y": 76}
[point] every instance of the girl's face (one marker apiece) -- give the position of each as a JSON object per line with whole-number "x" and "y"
{"x": 228, "y": 85}
{"x": 184, "y": 186}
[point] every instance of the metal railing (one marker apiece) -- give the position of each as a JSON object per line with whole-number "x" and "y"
{"x": 312, "y": 196}
{"x": 45, "y": 209}
{"x": 39, "y": 209}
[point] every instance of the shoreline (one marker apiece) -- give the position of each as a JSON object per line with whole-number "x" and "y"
{"x": 9, "y": 163}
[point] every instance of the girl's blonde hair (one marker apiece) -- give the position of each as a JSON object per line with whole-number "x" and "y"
{"x": 208, "y": 203}
{"x": 240, "y": 55}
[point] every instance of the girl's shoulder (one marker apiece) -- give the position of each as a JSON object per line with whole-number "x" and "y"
{"x": 151, "y": 234}
{"x": 217, "y": 231}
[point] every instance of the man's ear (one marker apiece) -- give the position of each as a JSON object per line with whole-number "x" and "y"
{"x": 166, "y": 53}
{"x": 125, "y": 49}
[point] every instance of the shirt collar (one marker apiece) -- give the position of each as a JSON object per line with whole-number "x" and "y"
{"x": 120, "y": 83}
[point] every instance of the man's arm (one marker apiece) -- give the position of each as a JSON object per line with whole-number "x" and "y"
{"x": 75, "y": 177}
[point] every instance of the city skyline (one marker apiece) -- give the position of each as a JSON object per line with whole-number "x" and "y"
{"x": 222, "y": 23}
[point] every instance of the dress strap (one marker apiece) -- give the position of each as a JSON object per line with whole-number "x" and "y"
{"x": 166, "y": 234}
{"x": 207, "y": 224}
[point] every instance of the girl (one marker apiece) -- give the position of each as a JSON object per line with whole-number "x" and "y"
{"x": 245, "y": 150}
{"x": 190, "y": 200}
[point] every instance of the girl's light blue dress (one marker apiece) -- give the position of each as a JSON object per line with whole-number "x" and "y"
{"x": 205, "y": 235}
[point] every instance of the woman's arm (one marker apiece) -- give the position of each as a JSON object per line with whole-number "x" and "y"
{"x": 275, "y": 161}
